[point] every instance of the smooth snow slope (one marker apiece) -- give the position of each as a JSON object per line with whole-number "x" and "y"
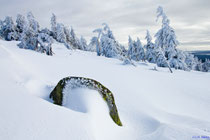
{"x": 153, "y": 105}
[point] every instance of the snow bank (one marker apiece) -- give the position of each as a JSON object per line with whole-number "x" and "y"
{"x": 152, "y": 104}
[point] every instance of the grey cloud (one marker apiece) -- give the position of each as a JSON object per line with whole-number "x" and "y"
{"x": 189, "y": 18}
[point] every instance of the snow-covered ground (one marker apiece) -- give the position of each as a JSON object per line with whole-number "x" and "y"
{"x": 153, "y": 105}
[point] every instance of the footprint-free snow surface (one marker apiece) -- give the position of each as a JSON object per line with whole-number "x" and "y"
{"x": 153, "y": 105}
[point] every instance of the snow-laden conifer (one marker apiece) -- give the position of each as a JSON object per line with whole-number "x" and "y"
{"x": 96, "y": 39}
{"x": 45, "y": 42}
{"x": 150, "y": 54}
{"x": 135, "y": 50}
{"x": 167, "y": 41}
{"x": 141, "y": 51}
{"x": 53, "y": 23}
{"x": 29, "y": 35}
{"x": 83, "y": 44}
{"x": 8, "y": 29}
{"x": 206, "y": 65}
{"x": 130, "y": 47}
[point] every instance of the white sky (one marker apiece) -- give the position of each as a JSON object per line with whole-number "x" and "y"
{"x": 189, "y": 18}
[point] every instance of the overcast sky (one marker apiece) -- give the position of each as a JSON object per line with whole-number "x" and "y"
{"x": 189, "y": 18}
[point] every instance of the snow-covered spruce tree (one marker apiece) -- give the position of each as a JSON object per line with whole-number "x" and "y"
{"x": 150, "y": 54}
{"x": 141, "y": 52}
{"x": 33, "y": 24}
{"x": 135, "y": 50}
{"x": 161, "y": 59}
{"x": 107, "y": 46}
{"x": 135, "y": 53}
{"x": 1, "y": 26}
{"x": 29, "y": 35}
{"x": 130, "y": 47}
{"x": 8, "y": 29}
{"x": 199, "y": 64}
{"x": 178, "y": 61}
{"x": 53, "y": 22}
{"x": 45, "y": 41}
{"x": 20, "y": 23}
{"x": 95, "y": 40}
{"x": 206, "y": 66}
{"x": 83, "y": 44}
{"x": 190, "y": 61}
{"x": 93, "y": 44}
{"x": 67, "y": 41}
{"x": 64, "y": 35}
{"x": 166, "y": 39}
{"x": 74, "y": 40}
{"x": 60, "y": 34}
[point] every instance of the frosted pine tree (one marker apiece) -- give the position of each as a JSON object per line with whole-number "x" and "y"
{"x": 67, "y": 35}
{"x": 178, "y": 61}
{"x": 21, "y": 23}
{"x": 107, "y": 46}
{"x": 95, "y": 40}
{"x": 45, "y": 41}
{"x": 53, "y": 22}
{"x": 83, "y": 43}
{"x": 199, "y": 64}
{"x": 166, "y": 38}
{"x": 1, "y": 27}
{"x": 8, "y": 29}
{"x": 33, "y": 24}
{"x": 74, "y": 40}
{"x": 109, "y": 33}
{"x": 190, "y": 61}
{"x": 108, "y": 43}
{"x": 134, "y": 50}
{"x": 141, "y": 52}
{"x": 130, "y": 47}
{"x": 161, "y": 59}
{"x": 206, "y": 65}
{"x": 60, "y": 32}
{"x": 150, "y": 54}
{"x": 29, "y": 36}
{"x": 93, "y": 44}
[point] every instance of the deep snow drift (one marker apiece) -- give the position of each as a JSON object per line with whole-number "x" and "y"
{"x": 152, "y": 104}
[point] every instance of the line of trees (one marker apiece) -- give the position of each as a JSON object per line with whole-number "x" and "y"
{"x": 162, "y": 52}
